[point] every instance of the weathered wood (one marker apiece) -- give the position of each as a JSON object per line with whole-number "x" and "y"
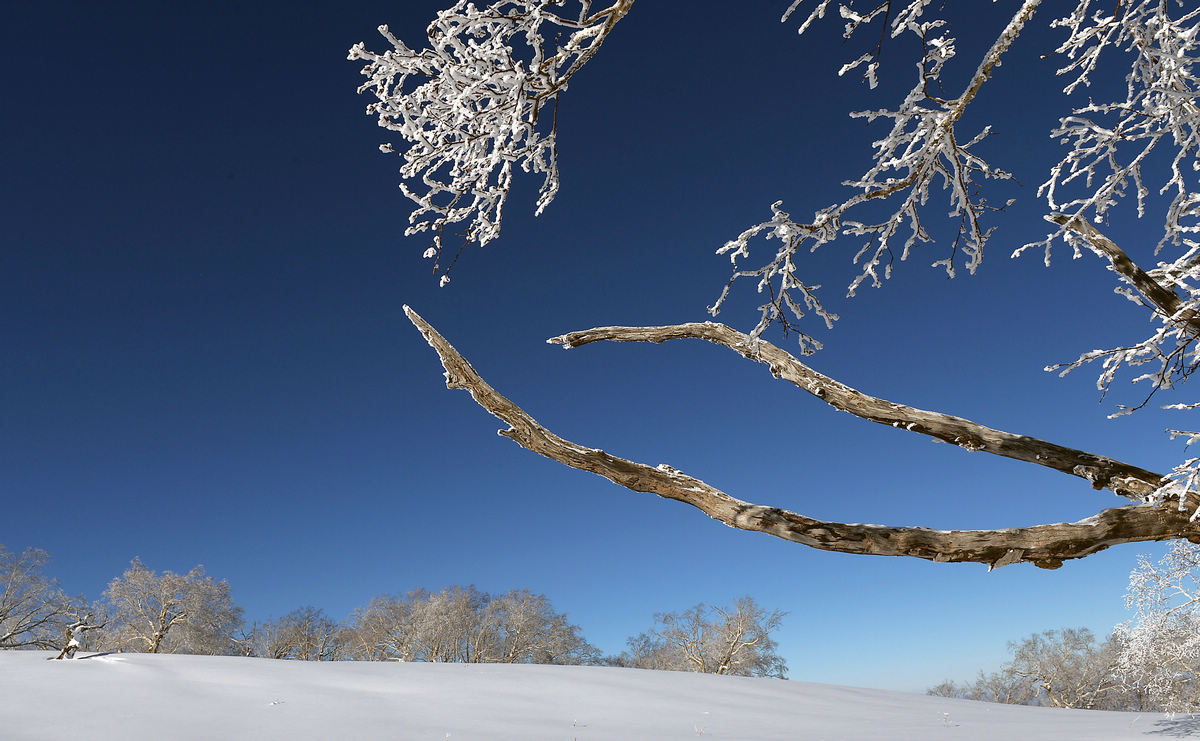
{"x": 1046, "y": 546}
{"x": 1100, "y": 471}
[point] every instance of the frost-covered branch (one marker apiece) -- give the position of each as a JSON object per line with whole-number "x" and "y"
{"x": 922, "y": 149}
{"x": 1046, "y": 546}
{"x": 1171, "y": 350}
{"x": 1111, "y": 143}
{"x": 1113, "y": 148}
{"x": 469, "y": 106}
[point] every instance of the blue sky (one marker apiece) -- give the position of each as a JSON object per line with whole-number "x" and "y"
{"x": 207, "y": 361}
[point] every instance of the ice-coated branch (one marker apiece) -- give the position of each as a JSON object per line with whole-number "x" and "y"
{"x": 922, "y": 149}
{"x": 469, "y": 106}
{"x": 1046, "y": 546}
{"x": 1152, "y": 133}
{"x": 1171, "y": 350}
{"x": 1111, "y": 143}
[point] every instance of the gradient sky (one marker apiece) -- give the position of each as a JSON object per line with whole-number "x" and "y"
{"x": 206, "y": 360}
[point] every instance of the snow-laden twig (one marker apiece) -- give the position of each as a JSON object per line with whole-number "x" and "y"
{"x": 470, "y": 107}
{"x": 1117, "y": 148}
{"x": 922, "y": 149}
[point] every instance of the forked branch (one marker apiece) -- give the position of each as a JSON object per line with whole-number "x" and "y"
{"x": 1046, "y": 546}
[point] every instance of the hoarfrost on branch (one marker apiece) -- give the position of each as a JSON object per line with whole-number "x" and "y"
{"x": 470, "y": 107}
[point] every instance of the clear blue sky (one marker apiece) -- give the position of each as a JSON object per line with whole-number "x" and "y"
{"x": 206, "y": 361}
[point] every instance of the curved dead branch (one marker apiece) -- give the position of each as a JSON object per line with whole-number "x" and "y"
{"x": 1101, "y": 472}
{"x": 1046, "y": 546}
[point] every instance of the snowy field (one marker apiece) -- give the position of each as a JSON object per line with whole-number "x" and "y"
{"x": 106, "y": 697}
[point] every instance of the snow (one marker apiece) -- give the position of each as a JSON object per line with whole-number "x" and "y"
{"x": 106, "y": 697}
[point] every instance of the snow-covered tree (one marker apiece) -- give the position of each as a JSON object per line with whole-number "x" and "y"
{"x": 34, "y": 610}
{"x": 304, "y": 634}
{"x": 170, "y": 613}
{"x": 1160, "y": 655}
{"x": 1065, "y": 668}
{"x": 711, "y": 639}
{"x": 462, "y": 624}
{"x": 473, "y": 104}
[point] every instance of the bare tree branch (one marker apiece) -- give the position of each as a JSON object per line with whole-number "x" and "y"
{"x": 1046, "y": 546}
{"x": 1101, "y": 472}
{"x": 1163, "y": 298}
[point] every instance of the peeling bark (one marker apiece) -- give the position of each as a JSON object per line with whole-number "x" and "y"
{"x": 1046, "y": 546}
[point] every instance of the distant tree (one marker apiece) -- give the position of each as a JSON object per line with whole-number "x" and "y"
{"x": 34, "y": 611}
{"x": 170, "y": 613}
{"x": 454, "y": 625}
{"x": 532, "y": 632}
{"x": 1065, "y": 668}
{"x": 481, "y": 100}
{"x": 1160, "y": 654}
{"x": 1000, "y": 686}
{"x": 711, "y": 639}
{"x": 1068, "y": 669}
{"x": 385, "y": 629}
{"x": 305, "y": 634}
{"x": 462, "y": 624}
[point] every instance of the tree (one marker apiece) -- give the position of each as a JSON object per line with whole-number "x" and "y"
{"x": 34, "y": 611}
{"x": 531, "y": 632}
{"x": 1160, "y": 653}
{"x": 472, "y": 104}
{"x": 711, "y": 639}
{"x": 1067, "y": 669}
{"x": 1056, "y": 668}
{"x": 304, "y": 634}
{"x": 462, "y": 624}
{"x": 170, "y": 613}
{"x": 385, "y": 629}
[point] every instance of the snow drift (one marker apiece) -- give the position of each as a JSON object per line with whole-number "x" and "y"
{"x": 105, "y": 697}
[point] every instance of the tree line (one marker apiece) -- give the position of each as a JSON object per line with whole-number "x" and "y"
{"x": 193, "y": 613}
{"x": 1151, "y": 663}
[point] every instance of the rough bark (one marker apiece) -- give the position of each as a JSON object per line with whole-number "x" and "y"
{"x": 1046, "y": 546}
{"x": 1100, "y": 471}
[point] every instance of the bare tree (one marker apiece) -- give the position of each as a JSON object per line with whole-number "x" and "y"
{"x": 462, "y": 624}
{"x": 171, "y": 613}
{"x": 33, "y": 609}
{"x": 468, "y": 107}
{"x": 1068, "y": 669}
{"x": 305, "y": 634}
{"x": 532, "y": 632}
{"x": 1065, "y": 668}
{"x": 1000, "y": 686}
{"x": 711, "y": 640}
{"x": 385, "y": 629}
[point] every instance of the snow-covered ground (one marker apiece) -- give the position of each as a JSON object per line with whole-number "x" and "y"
{"x": 138, "y": 696}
